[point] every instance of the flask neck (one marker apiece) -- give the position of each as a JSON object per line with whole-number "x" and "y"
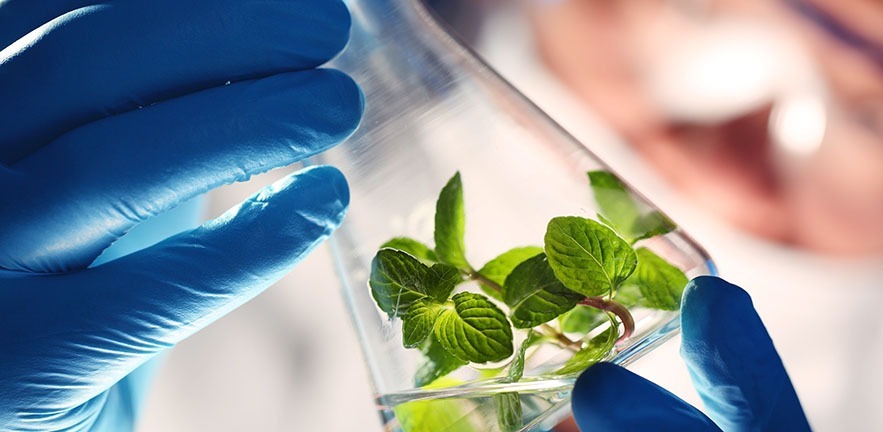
{"x": 401, "y": 39}
{"x": 389, "y": 20}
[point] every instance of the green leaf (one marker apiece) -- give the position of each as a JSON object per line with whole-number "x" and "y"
{"x": 621, "y": 211}
{"x": 516, "y": 369}
{"x": 607, "y": 222}
{"x": 492, "y": 293}
{"x": 489, "y": 373}
{"x": 652, "y": 224}
{"x": 629, "y": 294}
{"x": 498, "y": 268}
{"x": 441, "y": 280}
{"x": 588, "y": 257}
{"x": 535, "y": 295}
{"x": 418, "y": 322}
{"x": 474, "y": 330}
{"x": 398, "y": 279}
{"x": 615, "y": 202}
{"x": 413, "y": 247}
{"x": 661, "y": 283}
{"x": 594, "y": 351}
{"x": 510, "y": 417}
{"x": 582, "y": 319}
{"x": 450, "y": 225}
{"x": 436, "y": 363}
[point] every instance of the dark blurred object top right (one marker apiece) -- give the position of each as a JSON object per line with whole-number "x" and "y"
{"x": 770, "y": 113}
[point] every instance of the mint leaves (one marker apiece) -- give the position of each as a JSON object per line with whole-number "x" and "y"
{"x": 437, "y": 362}
{"x": 516, "y": 369}
{"x": 468, "y": 326}
{"x": 582, "y": 319}
{"x": 497, "y": 269}
{"x": 419, "y": 321}
{"x": 622, "y": 213}
{"x": 413, "y": 247}
{"x": 534, "y": 295}
{"x": 474, "y": 329}
{"x": 398, "y": 280}
{"x": 616, "y": 204}
{"x": 587, "y": 256}
{"x": 660, "y": 283}
{"x": 509, "y": 411}
{"x": 450, "y": 225}
{"x": 586, "y": 274}
{"x": 594, "y": 351}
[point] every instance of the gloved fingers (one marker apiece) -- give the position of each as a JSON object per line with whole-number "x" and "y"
{"x": 733, "y": 362}
{"x": 89, "y": 329}
{"x": 115, "y": 57}
{"x": 120, "y": 408}
{"x": 19, "y": 17}
{"x": 607, "y": 397}
{"x": 65, "y": 204}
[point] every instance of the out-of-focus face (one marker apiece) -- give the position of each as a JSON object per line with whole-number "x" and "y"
{"x": 770, "y": 113}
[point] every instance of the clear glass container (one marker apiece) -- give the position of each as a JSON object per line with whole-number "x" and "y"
{"x": 433, "y": 109}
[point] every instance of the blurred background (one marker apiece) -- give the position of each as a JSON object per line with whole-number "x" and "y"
{"x": 756, "y": 125}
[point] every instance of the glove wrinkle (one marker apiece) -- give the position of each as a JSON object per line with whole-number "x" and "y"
{"x": 69, "y": 418}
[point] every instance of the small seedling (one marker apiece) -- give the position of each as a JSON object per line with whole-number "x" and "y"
{"x": 587, "y": 274}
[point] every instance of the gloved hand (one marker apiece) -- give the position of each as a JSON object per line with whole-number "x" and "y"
{"x": 734, "y": 367}
{"x": 114, "y": 112}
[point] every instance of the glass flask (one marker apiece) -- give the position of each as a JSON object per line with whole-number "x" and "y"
{"x": 434, "y": 109}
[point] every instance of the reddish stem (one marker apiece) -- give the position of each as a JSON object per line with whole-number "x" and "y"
{"x": 628, "y": 323}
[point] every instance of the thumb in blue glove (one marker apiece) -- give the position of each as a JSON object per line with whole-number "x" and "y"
{"x": 733, "y": 364}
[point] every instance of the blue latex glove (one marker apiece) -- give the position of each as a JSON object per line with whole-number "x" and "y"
{"x": 118, "y": 111}
{"x": 734, "y": 367}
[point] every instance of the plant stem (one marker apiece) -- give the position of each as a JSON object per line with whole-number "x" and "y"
{"x": 561, "y": 338}
{"x": 628, "y": 322}
{"x": 476, "y": 276}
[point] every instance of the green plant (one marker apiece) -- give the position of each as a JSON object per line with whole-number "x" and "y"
{"x": 587, "y": 273}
